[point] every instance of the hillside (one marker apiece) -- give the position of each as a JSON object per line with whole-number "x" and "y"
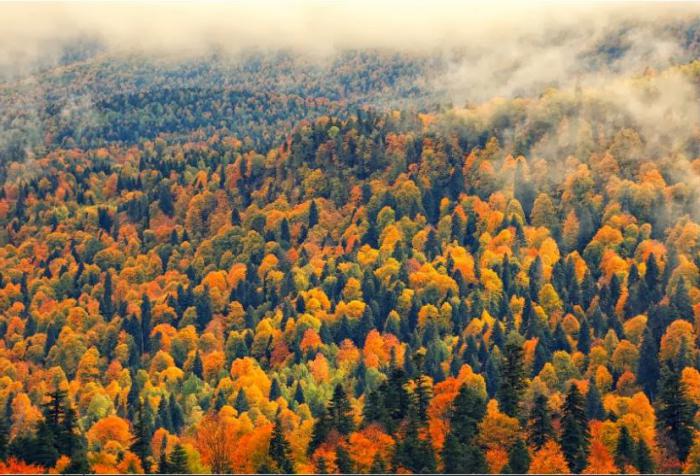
{"x": 280, "y": 264}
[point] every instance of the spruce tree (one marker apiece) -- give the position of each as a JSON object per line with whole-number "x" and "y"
{"x": 512, "y": 375}
{"x": 594, "y": 404}
{"x": 340, "y": 411}
{"x": 624, "y": 449}
{"x": 461, "y": 453}
{"x": 141, "y": 444}
{"x": 313, "y": 214}
{"x": 518, "y": 457}
{"x": 280, "y": 451}
{"x": 540, "y": 422}
{"x": 648, "y": 364}
{"x": 675, "y": 411}
{"x": 178, "y": 460}
{"x": 343, "y": 461}
{"x": 574, "y": 438}
{"x": 642, "y": 458}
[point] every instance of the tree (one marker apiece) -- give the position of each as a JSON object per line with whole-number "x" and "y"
{"x": 141, "y": 445}
{"x": 549, "y": 460}
{"x": 648, "y": 364}
{"x": 106, "y": 304}
{"x": 540, "y": 422}
{"x": 518, "y": 457}
{"x": 574, "y": 438}
{"x": 343, "y": 461}
{"x": 675, "y": 411}
{"x": 512, "y": 375}
{"x": 177, "y": 463}
{"x": 280, "y": 451}
{"x": 642, "y": 458}
{"x": 624, "y": 449}
{"x": 460, "y": 453}
{"x": 313, "y": 214}
{"x": 214, "y": 443}
{"x": 594, "y": 404}
{"x": 340, "y": 412}
{"x": 322, "y": 427}
{"x": 414, "y": 453}
{"x": 599, "y": 460}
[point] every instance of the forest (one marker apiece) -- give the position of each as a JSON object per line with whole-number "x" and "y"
{"x": 271, "y": 265}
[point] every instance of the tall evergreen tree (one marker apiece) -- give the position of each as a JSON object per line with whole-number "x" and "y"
{"x": 574, "y": 437}
{"x": 512, "y": 375}
{"x": 540, "y": 422}
{"x": 141, "y": 444}
{"x": 280, "y": 451}
{"x": 675, "y": 411}
{"x": 178, "y": 460}
{"x": 648, "y": 364}
{"x": 518, "y": 458}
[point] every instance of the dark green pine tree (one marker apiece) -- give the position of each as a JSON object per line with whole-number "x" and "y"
{"x": 177, "y": 416}
{"x": 299, "y": 394}
{"x": 241, "y": 404}
{"x": 512, "y": 375}
{"x": 146, "y": 318}
{"x": 518, "y": 458}
{"x": 340, "y": 411}
{"x": 275, "y": 389}
{"x": 414, "y": 453}
{"x": 280, "y": 451}
{"x": 371, "y": 235}
{"x": 178, "y": 460}
{"x": 71, "y": 442}
{"x": 106, "y": 303}
{"x": 461, "y": 454}
{"x": 343, "y": 461}
{"x": 651, "y": 278}
{"x": 163, "y": 419}
{"x": 681, "y": 305}
{"x": 540, "y": 422}
{"x": 574, "y": 437}
{"x": 322, "y": 427}
{"x": 648, "y": 364}
{"x": 594, "y": 404}
{"x": 642, "y": 458}
{"x": 584, "y": 337}
{"x": 313, "y": 214}
{"x": 675, "y": 411}
{"x": 141, "y": 444}
{"x": 204, "y": 310}
{"x": 43, "y": 451}
{"x": 624, "y": 449}
{"x": 163, "y": 463}
{"x": 197, "y": 366}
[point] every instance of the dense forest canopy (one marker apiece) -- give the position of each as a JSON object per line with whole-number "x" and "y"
{"x": 373, "y": 259}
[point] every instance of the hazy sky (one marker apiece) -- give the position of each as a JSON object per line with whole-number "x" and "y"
{"x": 185, "y": 26}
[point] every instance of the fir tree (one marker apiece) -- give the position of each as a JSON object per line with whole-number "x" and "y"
{"x": 624, "y": 449}
{"x": 141, "y": 445}
{"x": 178, "y": 460}
{"x": 343, "y": 461}
{"x": 675, "y": 411}
{"x": 512, "y": 375}
{"x": 574, "y": 438}
{"x": 540, "y": 422}
{"x": 648, "y": 364}
{"x": 280, "y": 451}
{"x": 518, "y": 457}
